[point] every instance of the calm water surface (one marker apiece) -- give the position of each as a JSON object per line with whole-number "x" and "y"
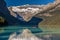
{"x": 29, "y": 25}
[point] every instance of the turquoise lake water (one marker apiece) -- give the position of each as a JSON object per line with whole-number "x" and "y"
{"x": 34, "y": 22}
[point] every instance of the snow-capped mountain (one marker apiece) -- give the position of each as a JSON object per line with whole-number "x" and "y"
{"x": 29, "y": 11}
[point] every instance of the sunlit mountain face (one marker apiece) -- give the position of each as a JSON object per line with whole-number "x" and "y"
{"x": 23, "y": 2}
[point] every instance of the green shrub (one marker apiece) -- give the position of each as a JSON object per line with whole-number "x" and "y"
{"x": 2, "y": 20}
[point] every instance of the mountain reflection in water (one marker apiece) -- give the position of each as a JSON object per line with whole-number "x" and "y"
{"x": 32, "y": 25}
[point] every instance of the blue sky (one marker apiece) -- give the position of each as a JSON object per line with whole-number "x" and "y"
{"x": 22, "y": 2}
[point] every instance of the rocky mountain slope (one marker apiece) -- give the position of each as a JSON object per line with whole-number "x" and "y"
{"x": 29, "y": 11}
{"x": 51, "y": 23}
